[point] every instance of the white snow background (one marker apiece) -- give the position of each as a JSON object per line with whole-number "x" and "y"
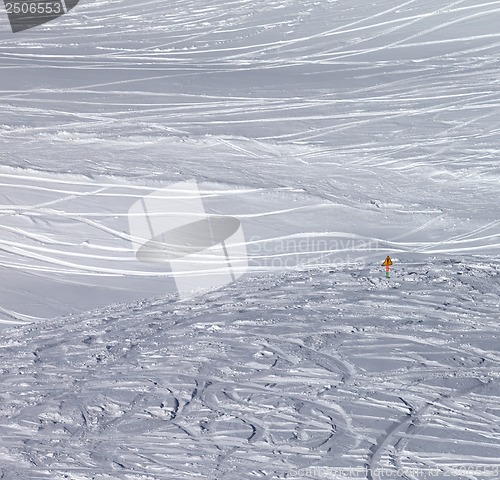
{"x": 338, "y": 132}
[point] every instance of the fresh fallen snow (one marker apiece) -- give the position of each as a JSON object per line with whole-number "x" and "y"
{"x": 338, "y": 132}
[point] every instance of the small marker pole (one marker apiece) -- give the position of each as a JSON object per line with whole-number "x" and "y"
{"x": 387, "y": 263}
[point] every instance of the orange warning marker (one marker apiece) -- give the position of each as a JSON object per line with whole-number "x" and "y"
{"x": 387, "y": 263}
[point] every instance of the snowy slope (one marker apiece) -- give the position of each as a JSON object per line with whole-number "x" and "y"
{"x": 338, "y": 132}
{"x": 66, "y": 247}
{"x": 378, "y": 121}
{"x": 269, "y": 377}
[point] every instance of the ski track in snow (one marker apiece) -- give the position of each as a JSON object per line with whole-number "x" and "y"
{"x": 308, "y": 369}
{"x": 401, "y": 84}
{"x": 69, "y": 234}
{"x": 369, "y": 123}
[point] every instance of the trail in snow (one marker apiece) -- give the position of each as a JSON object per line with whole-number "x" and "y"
{"x": 338, "y": 132}
{"x": 406, "y": 84}
{"x": 325, "y": 369}
{"x": 380, "y": 118}
{"x": 65, "y": 243}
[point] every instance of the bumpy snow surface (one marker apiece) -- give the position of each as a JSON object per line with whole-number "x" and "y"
{"x": 337, "y": 132}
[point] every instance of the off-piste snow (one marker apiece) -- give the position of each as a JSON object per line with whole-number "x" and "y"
{"x": 337, "y": 133}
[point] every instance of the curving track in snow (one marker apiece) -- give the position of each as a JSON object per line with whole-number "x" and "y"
{"x": 273, "y": 378}
{"x": 373, "y": 125}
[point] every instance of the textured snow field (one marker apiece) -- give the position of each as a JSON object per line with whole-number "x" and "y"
{"x": 355, "y": 128}
{"x": 291, "y": 376}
